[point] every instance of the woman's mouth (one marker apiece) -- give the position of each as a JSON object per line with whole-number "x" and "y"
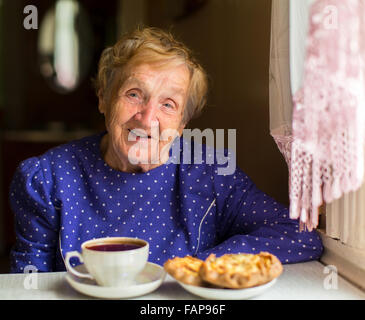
{"x": 139, "y": 134}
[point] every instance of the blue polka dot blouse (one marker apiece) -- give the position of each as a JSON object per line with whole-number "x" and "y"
{"x": 69, "y": 195}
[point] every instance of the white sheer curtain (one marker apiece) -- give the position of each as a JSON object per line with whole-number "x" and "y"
{"x": 289, "y": 30}
{"x": 280, "y": 93}
{"x": 289, "y": 23}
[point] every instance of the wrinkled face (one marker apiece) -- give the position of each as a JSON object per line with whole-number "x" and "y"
{"x": 146, "y": 116}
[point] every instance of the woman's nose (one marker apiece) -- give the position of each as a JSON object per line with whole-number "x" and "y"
{"x": 147, "y": 114}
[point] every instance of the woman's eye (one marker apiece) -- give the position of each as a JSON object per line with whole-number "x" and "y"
{"x": 132, "y": 95}
{"x": 169, "y": 105}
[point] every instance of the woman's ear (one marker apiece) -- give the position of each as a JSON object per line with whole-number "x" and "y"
{"x": 101, "y": 105}
{"x": 181, "y": 128}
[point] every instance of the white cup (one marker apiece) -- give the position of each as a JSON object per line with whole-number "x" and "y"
{"x": 110, "y": 268}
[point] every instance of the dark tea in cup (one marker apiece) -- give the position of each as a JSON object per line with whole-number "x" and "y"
{"x": 114, "y": 246}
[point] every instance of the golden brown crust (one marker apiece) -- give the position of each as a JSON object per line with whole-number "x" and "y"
{"x": 240, "y": 270}
{"x": 185, "y": 270}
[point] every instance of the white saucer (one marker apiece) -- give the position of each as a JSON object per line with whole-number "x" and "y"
{"x": 147, "y": 281}
{"x": 227, "y": 294}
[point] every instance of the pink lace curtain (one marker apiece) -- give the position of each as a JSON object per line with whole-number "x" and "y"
{"x": 324, "y": 144}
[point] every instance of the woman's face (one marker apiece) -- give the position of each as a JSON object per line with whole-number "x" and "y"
{"x": 147, "y": 113}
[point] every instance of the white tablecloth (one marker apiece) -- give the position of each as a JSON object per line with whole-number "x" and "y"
{"x": 299, "y": 281}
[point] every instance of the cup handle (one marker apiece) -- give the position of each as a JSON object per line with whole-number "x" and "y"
{"x": 71, "y": 269}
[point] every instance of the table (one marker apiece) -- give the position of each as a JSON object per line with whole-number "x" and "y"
{"x": 307, "y": 280}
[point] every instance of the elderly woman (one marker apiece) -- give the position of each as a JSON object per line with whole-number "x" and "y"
{"x": 121, "y": 182}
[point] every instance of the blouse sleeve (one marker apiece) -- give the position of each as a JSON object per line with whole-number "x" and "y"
{"x": 250, "y": 221}
{"x": 36, "y": 220}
